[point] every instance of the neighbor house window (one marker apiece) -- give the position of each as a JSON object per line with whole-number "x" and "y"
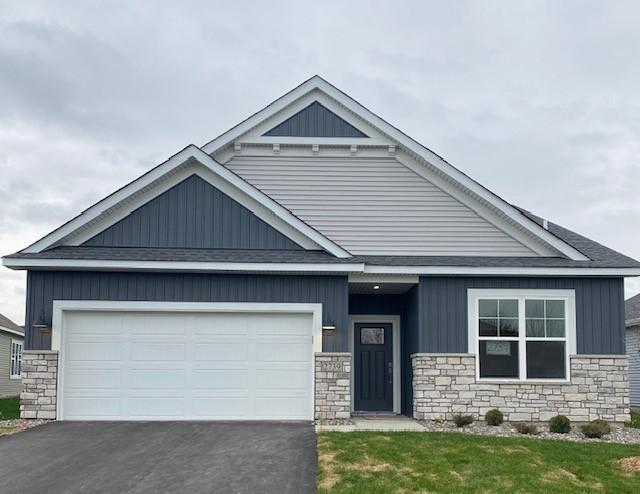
{"x": 522, "y": 334}
{"x": 16, "y": 359}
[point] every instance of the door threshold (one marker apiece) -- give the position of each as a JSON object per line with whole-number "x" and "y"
{"x": 374, "y": 414}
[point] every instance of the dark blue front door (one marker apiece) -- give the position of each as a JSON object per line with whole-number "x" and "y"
{"x": 373, "y": 369}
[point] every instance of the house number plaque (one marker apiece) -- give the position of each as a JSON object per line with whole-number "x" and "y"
{"x": 331, "y": 366}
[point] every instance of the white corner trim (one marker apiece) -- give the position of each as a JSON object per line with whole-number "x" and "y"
{"x": 139, "y": 185}
{"x": 396, "y": 332}
{"x": 316, "y": 83}
{"x": 568, "y": 295}
{"x": 61, "y": 307}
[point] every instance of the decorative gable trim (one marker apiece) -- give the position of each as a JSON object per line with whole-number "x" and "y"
{"x": 315, "y": 120}
{"x": 190, "y": 160}
{"x": 531, "y": 232}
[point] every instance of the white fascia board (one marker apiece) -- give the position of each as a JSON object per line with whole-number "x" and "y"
{"x": 500, "y": 271}
{"x": 147, "y": 180}
{"x": 420, "y": 151}
{"x": 111, "y": 265}
{"x": 12, "y": 331}
{"x": 352, "y": 268}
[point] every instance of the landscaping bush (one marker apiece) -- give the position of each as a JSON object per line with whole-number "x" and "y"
{"x": 596, "y": 429}
{"x": 524, "y": 428}
{"x": 560, "y": 424}
{"x": 462, "y": 420}
{"x": 494, "y": 417}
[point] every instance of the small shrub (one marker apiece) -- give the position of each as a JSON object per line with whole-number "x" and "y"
{"x": 596, "y": 429}
{"x": 560, "y": 424}
{"x": 439, "y": 420}
{"x": 494, "y": 417}
{"x": 462, "y": 420}
{"x": 524, "y": 428}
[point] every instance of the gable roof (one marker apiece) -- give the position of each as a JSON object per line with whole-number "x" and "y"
{"x": 8, "y": 326}
{"x": 102, "y": 214}
{"x": 632, "y": 311}
{"x": 424, "y": 155}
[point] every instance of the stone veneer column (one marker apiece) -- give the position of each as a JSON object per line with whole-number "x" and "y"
{"x": 39, "y": 384}
{"x": 333, "y": 386}
{"x": 445, "y": 384}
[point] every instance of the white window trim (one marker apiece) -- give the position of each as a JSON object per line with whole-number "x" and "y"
{"x": 17, "y": 356}
{"x": 474, "y": 294}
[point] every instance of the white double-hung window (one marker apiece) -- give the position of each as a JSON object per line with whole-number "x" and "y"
{"x": 16, "y": 359}
{"x": 522, "y": 335}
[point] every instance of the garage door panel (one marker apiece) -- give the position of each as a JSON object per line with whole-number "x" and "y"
{"x": 159, "y": 351}
{"x": 180, "y": 366}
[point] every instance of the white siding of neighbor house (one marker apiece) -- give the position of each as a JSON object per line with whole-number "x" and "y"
{"x": 632, "y": 341}
{"x": 375, "y": 206}
{"x": 8, "y": 386}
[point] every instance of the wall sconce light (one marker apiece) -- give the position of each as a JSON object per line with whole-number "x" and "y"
{"x": 42, "y": 328}
{"x": 328, "y": 327}
{"x": 376, "y": 287}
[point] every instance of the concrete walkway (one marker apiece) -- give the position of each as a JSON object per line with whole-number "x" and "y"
{"x": 379, "y": 423}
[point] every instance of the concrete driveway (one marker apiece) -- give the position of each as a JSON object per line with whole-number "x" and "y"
{"x": 155, "y": 457}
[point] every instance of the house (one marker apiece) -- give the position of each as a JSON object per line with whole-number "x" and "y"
{"x": 11, "y": 341}
{"x": 313, "y": 262}
{"x": 632, "y": 342}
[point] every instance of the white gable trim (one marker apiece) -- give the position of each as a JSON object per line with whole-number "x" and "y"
{"x": 424, "y": 155}
{"x": 117, "y": 205}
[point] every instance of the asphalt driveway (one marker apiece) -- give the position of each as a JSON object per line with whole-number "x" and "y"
{"x": 156, "y": 457}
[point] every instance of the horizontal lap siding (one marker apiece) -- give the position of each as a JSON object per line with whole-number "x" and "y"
{"x": 375, "y": 206}
{"x": 633, "y": 350}
{"x": 8, "y": 386}
{"x": 44, "y": 287}
{"x": 599, "y": 310}
{"x": 193, "y": 214}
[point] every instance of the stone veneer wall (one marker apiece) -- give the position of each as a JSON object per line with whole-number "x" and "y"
{"x": 445, "y": 384}
{"x": 333, "y": 386}
{"x": 39, "y": 384}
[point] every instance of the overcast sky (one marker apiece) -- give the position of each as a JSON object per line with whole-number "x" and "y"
{"x": 539, "y": 101}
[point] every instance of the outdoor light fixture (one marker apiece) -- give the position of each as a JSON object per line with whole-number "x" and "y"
{"x": 329, "y": 327}
{"x": 42, "y": 328}
{"x": 376, "y": 287}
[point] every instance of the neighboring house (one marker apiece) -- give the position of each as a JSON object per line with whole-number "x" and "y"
{"x": 312, "y": 262}
{"x": 632, "y": 337}
{"x": 11, "y": 342}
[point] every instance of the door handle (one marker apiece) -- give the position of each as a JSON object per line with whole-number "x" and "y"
{"x": 390, "y": 372}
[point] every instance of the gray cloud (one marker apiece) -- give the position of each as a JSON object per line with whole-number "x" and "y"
{"x": 537, "y": 100}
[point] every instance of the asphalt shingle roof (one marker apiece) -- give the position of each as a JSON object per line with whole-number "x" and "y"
{"x": 5, "y": 322}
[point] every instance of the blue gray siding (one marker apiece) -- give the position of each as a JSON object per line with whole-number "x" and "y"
{"x": 315, "y": 121}
{"x": 45, "y": 286}
{"x": 193, "y": 214}
{"x": 599, "y": 310}
{"x": 406, "y": 306}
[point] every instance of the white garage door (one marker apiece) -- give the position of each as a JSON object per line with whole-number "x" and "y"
{"x": 186, "y": 366}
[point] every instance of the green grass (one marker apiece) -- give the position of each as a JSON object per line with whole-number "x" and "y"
{"x": 404, "y": 462}
{"x": 635, "y": 420}
{"x": 9, "y": 408}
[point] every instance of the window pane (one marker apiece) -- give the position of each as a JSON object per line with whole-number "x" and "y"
{"x": 488, "y": 308}
{"x": 555, "y": 328}
{"x": 372, "y": 336}
{"x": 554, "y": 308}
{"x": 488, "y": 327}
{"x": 545, "y": 360}
{"x": 534, "y": 308}
{"x": 535, "y": 328}
{"x": 508, "y": 308}
{"x": 508, "y": 327}
{"x": 499, "y": 359}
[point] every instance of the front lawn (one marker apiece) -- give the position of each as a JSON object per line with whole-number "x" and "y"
{"x": 403, "y": 462}
{"x": 9, "y": 408}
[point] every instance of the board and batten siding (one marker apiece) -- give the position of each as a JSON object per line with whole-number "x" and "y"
{"x": 192, "y": 214}
{"x": 8, "y": 386}
{"x": 43, "y": 287}
{"x": 633, "y": 351}
{"x": 375, "y": 206}
{"x": 599, "y": 311}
